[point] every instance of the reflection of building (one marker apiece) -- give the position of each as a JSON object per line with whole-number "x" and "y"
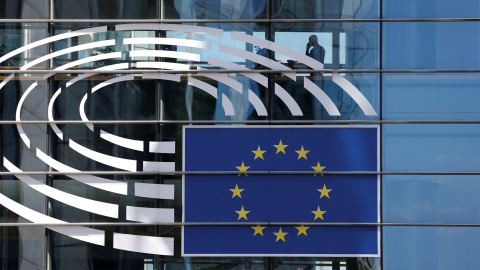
{"x": 428, "y": 117}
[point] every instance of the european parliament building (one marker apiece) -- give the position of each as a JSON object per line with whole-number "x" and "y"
{"x": 239, "y": 134}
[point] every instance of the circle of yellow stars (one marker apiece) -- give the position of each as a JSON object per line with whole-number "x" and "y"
{"x": 280, "y": 149}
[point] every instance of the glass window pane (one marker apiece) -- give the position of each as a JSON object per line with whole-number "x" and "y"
{"x": 431, "y": 9}
{"x": 431, "y": 96}
{"x": 431, "y": 198}
{"x": 214, "y": 9}
{"x": 432, "y": 147}
{"x": 446, "y": 248}
{"x": 431, "y": 45}
{"x": 340, "y": 45}
{"x": 317, "y": 9}
{"x": 305, "y": 91}
{"x": 105, "y": 9}
{"x": 23, "y": 9}
{"x": 14, "y": 36}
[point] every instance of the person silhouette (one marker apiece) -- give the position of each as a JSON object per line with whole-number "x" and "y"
{"x": 314, "y": 49}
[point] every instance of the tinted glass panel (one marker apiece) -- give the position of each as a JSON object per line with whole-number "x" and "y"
{"x": 431, "y": 198}
{"x": 437, "y": 96}
{"x": 432, "y": 147}
{"x": 345, "y": 45}
{"x": 105, "y": 9}
{"x": 214, "y": 9}
{"x": 317, "y": 9}
{"x": 430, "y": 247}
{"x": 432, "y": 45}
{"x": 23, "y": 9}
{"x": 431, "y": 9}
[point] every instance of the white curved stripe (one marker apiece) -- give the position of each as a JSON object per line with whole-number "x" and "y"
{"x": 307, "y": 60}
{"x": 110, "y": 67}
{"x": 112, "y": 81}
{"x": 162, "y": 147}
{"x": 171, "y": 27}
{"x": 356, "y": 95}
{"x": 89, "y": 235}
{"x": 170, "y": 54}
{"x": 259, "y": 59}
{"x": 90, "y": 45}
{"x": 144, "y": 214}
{"x": 261, "y": 79}
{"x": 100, "y": 208}
{"x": 144, "y": 244}
{"x": 238, "y": 86}
{"x": 4, "y": 82}
{"x": 157, "y": 166}
{"x": 167, "y": 77}
{"x": 203, "y": 86}
{"x": 348, "y": 87}
{"x": 90, "y": 59}
{"x": 83, "y": 116}
{"x": 169, "y": 41}
{"x": 32, "y": 45}
{"x": 119, "y": 163}
{"x": 155, "y": 191}
{"x": 84, "y": 61}
{"x": 164, "y": 65}
{"x": 288, "y": 100}
{"x": 94, "y": 181}
{"x": 234, "y": 84}
{"x": 24, "y": 136}
{"x": 124, "y": 142}
{"x": 324, "y": 99}
{"x": 227, "y": 106}
{"x": 257, "y": 103}
{"x": 57, "y": 131}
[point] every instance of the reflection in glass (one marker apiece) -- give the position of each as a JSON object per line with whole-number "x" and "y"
{"x": 214, "y": 9}
{"x": 318, "y": 9}
{"x": 23, "y": 9}
{"x": 14, "y": 36}
{"x": 105, "y": 9}
{"x": 423, "y": 9}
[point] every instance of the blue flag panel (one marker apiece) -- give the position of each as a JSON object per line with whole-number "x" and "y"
{"x": 287, "y": 198}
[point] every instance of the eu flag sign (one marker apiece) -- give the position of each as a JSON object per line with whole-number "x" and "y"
{"x": 286, "y": 206}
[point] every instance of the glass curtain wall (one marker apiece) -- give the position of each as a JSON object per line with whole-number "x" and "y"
{"x": 96, "y": 96}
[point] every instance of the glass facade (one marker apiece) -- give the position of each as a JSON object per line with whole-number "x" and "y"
{"x": 96, "y": 96}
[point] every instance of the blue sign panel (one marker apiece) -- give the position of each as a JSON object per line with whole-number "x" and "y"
{"x": 284, "y": 205}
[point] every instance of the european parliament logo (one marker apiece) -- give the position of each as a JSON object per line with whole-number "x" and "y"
{"x": 286, "y": 206}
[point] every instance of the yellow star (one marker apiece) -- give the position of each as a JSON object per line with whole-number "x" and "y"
{"x": 302, "y": 230}
{"x": 242, "y": 213}
{"x": 318, "y": 168}
{"x": 319, "y": 213}
{"x": 280, "y": 147}
{"x": 280, "y": 235}
{"x": 258, "y": 153}
{"x": 258, "y": 230}
{"x": 302, "y": 153}
{"x": 242, "y": 168}
{"x": 324, "y": 191}
{"x": 237, "y": 191}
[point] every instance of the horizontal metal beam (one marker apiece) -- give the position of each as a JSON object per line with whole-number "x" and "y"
{"x": 247, "y": 172}
{"x": 236, "y": 122}
{"x": 101, "y": 224}
{"x": 140, "y": 71}
{"x": 123, "y": 21}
